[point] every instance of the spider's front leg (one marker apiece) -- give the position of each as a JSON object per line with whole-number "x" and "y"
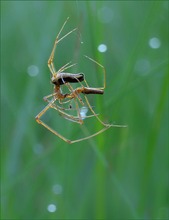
{"x": 57, "y": 40}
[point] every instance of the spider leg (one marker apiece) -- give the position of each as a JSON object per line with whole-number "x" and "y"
{"x": 45, "y": 98}
{"x": 91, "y": 109}
{"x": 90, "y": 136}
{"x": 67, "y": 116}
{"x": 60, "y": 109}
{"x": 96, "y": 115}
{"x": 75, "y": 98}
{"x": 104, "y": 72}
{"x": 66, "y": 67}
{"x": 54, "y": 106}
{"x": 74, "y": 92}
{"x": 46, "y": 126}
{"x": 57, "y": 40}
{"x": 56, "y": 133}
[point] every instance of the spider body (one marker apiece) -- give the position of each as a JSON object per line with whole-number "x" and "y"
{"x": 62, "y": 78}
{"x": 58, "y": 99}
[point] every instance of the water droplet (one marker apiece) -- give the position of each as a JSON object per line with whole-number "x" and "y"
{"x": 83, "y": 112}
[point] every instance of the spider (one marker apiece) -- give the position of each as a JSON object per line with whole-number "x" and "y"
{"x": 58, "y": 99}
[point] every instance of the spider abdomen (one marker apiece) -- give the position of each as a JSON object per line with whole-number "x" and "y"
{"x": 67, "y": 78}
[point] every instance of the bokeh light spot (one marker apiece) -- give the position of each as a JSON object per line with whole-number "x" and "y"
{"x": 51, "y": 208}
{"x": 154, "y": 43}
{"x": 102, "y": 48}
{"x": 57, "y": 189}
{"x": 38, "y": 149}
{"x": 105, "y": 15}
{"x": 142, "y": 66}
{"x": 33, "y": 70}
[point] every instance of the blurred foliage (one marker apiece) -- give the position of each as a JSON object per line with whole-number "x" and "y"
{"x": 123, "y": 172}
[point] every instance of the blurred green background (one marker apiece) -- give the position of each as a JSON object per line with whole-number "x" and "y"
{"x": 123, "y": 172}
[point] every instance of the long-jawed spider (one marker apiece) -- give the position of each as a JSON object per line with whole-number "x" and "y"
{"x": 60, "y": 78}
